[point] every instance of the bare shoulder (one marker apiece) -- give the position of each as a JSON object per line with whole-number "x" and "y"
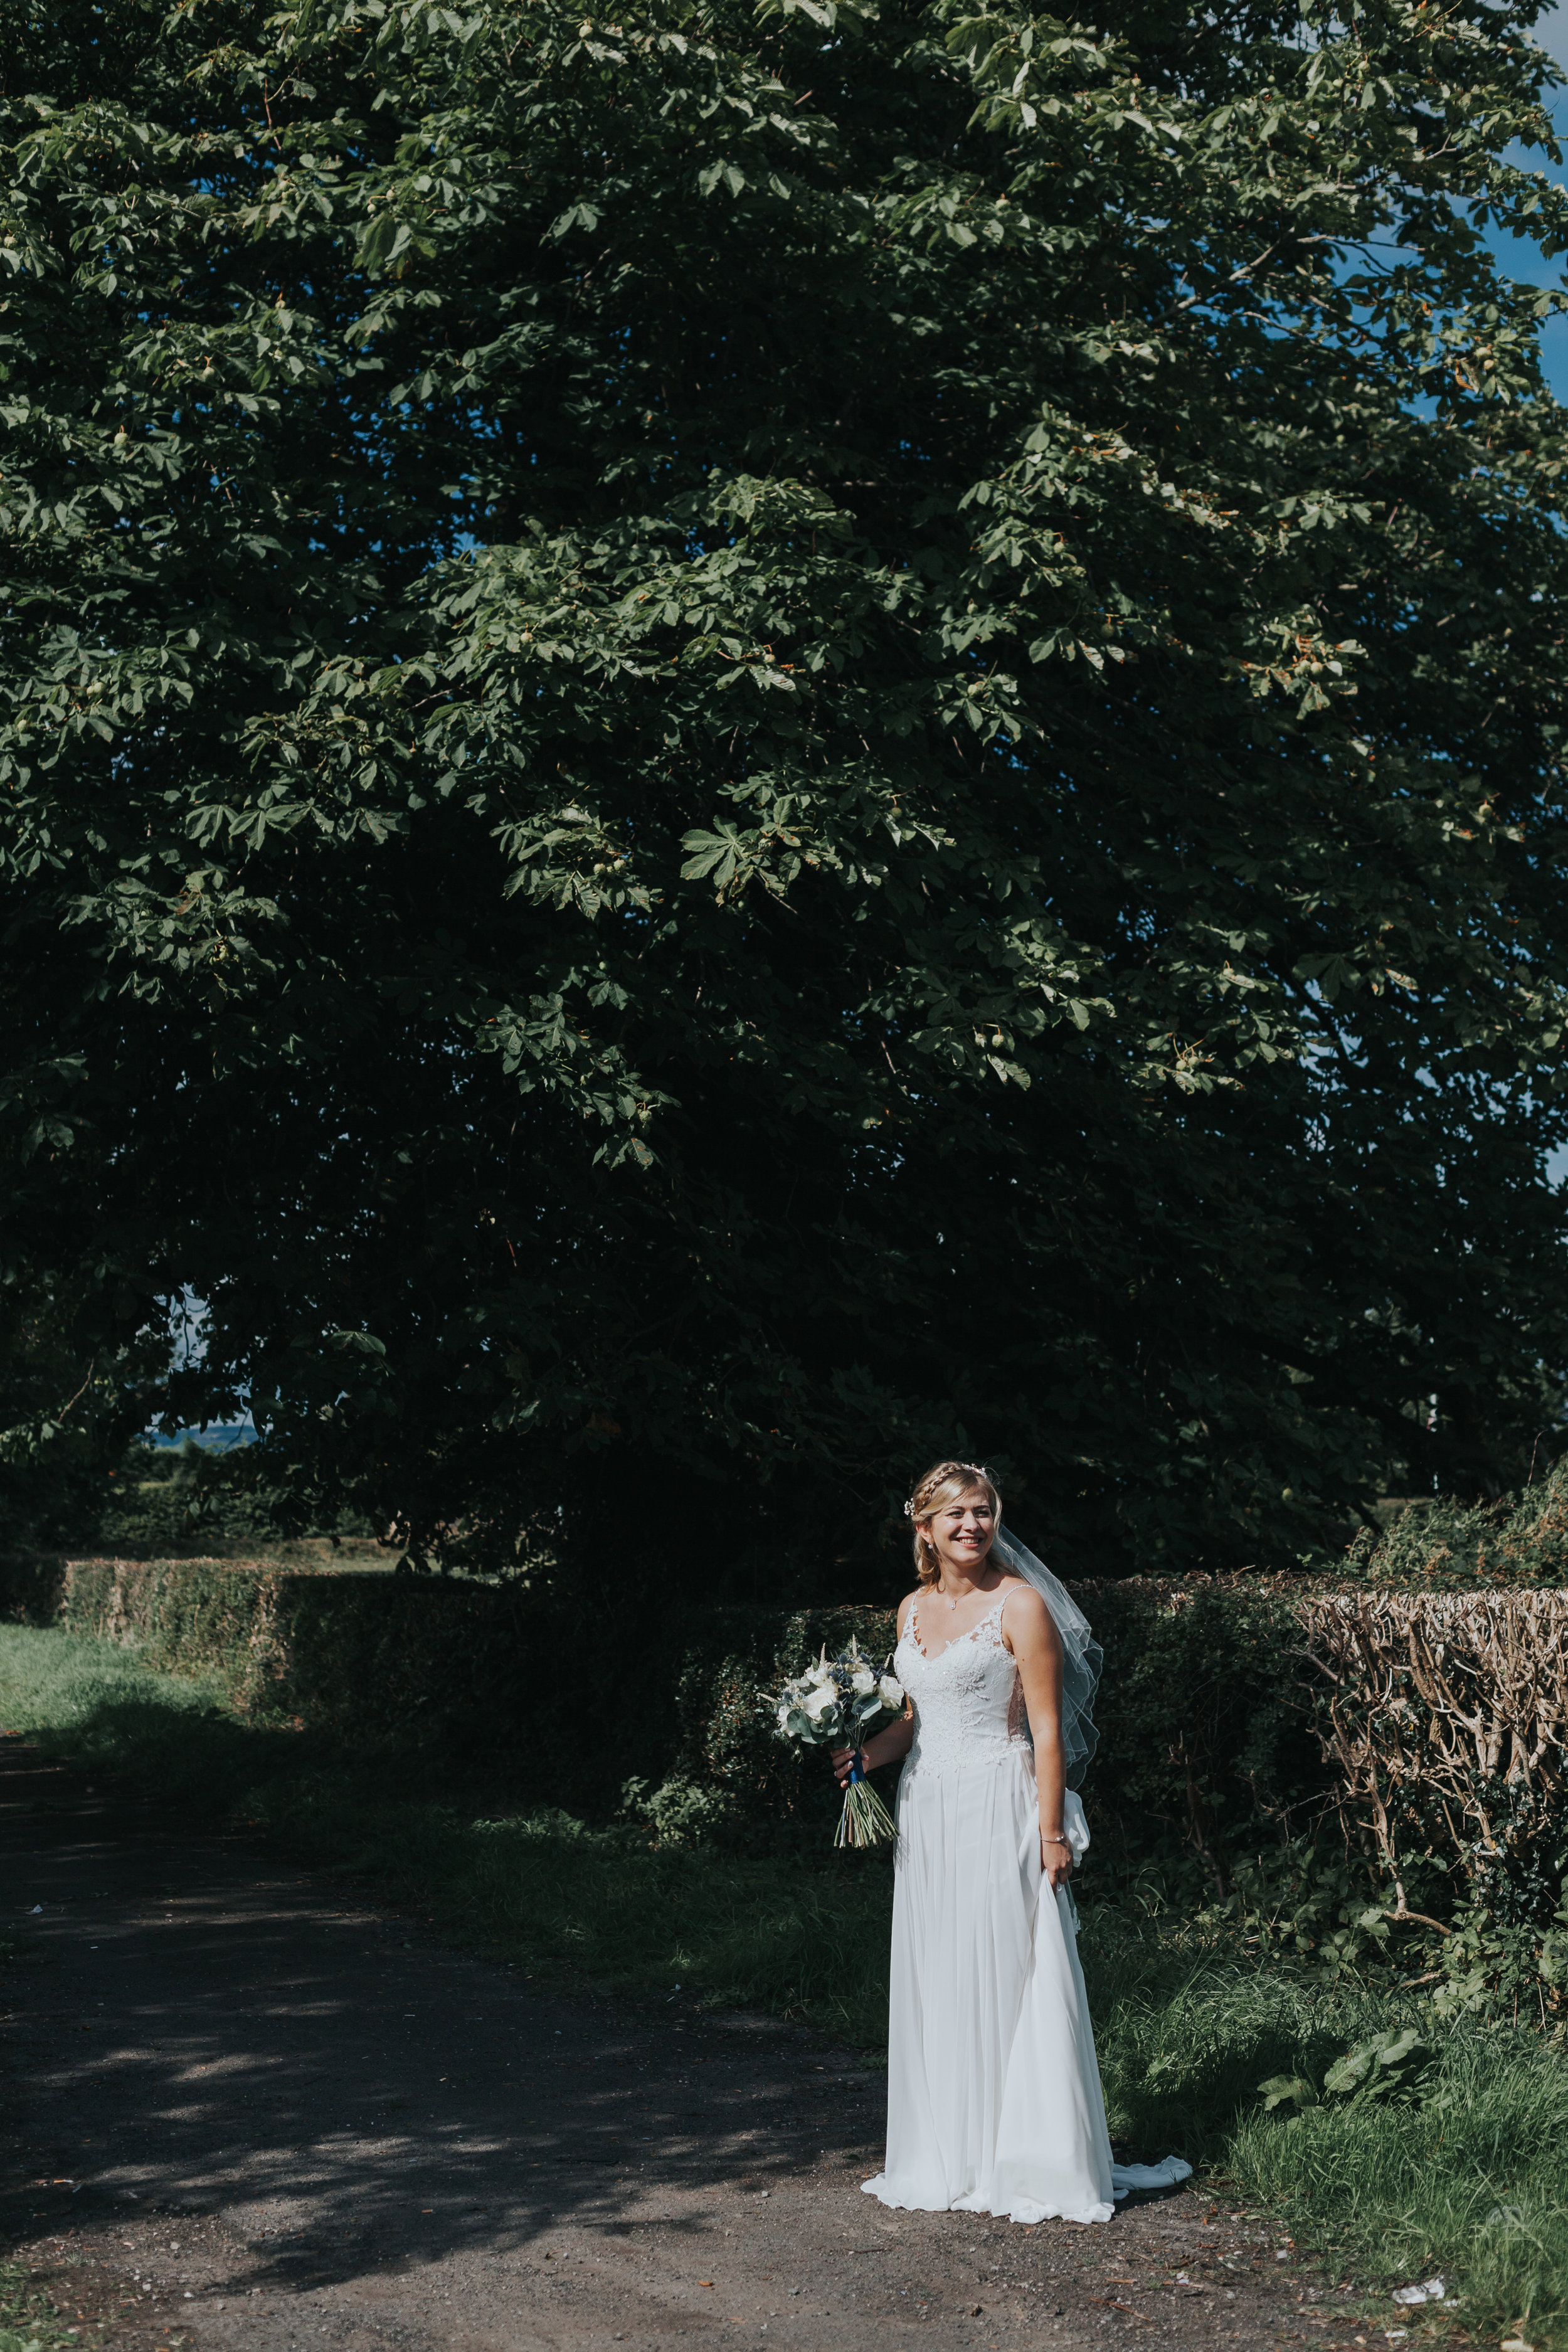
{"x": 1025, "y": 1616}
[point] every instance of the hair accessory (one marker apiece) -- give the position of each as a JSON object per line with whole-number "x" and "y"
{"x": 909, "y": 1510}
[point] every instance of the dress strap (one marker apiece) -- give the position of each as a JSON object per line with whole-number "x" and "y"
{"x": 993, "y": 1617}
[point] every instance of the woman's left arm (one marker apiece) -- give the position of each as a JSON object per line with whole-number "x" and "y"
{"x": 1033, "y": 1641}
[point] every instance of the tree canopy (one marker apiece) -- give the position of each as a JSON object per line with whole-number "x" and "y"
{"x": 740, "y": 740}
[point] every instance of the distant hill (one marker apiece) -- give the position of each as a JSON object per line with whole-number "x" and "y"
{"x": 220, "y": 1439}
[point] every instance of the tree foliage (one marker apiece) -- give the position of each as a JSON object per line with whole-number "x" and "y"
{"x": 66, "y": 1410}
{"x": 742, "y": 740}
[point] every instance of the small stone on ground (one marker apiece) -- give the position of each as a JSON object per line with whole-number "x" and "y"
{"x": 246, "y": 2113}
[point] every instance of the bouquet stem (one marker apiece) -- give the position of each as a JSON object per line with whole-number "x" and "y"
{"x": 865, "y": 1820}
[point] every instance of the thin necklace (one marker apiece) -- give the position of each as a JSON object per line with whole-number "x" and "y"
{"x": 951, "y": 1603}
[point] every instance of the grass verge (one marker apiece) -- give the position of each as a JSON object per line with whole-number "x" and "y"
{"x": 1471, "y": 2183}
{"x": 806, "y": 1938}
{"x": 28, "y": 2320}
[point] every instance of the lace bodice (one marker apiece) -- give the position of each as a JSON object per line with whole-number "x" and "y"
{"x": 968, "y": 1700}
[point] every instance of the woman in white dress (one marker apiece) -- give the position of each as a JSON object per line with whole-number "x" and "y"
{"x": 993, "y": 2098}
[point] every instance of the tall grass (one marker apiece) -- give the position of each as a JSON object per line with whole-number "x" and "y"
{"x": 1473, "y": 2183}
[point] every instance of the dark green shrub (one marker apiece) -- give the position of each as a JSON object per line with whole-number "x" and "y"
{"x": 1204, "y": 1717}
{"x": 561, "y": 1704}
{"x": 196, "y": 1497}
{"x": 1521, "y": 1539}
{"x": 1210, "y": 1790}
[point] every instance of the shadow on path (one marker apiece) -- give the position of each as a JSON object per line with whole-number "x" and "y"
{"x": 244, "y": 2108}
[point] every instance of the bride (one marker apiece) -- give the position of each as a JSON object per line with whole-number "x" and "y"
{"x": 993, "y": 2098}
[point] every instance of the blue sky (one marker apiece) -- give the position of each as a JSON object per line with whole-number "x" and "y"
{"x": 1521, "y": 260}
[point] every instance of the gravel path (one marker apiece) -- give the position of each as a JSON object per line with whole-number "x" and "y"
{"x": 245, "y": 2113}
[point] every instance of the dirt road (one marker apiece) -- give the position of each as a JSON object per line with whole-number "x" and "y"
{"x": 245, "y": 2113}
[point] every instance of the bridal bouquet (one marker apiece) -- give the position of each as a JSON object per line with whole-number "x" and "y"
{"x": 839, "y": 1703}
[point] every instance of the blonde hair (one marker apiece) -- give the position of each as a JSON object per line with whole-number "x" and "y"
{"x": 941, "y": 1484}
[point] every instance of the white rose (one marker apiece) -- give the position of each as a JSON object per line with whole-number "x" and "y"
{"x": 892, "y": 1692}
{"x": 817, "y": 1702}
{"x": 864, "y": 1681}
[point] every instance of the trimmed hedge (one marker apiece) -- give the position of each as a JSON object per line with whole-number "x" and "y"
{"x": 1204, "y": 1739}
{"x": 553, "y": 1700}
{"x": 1216, "y": 1741}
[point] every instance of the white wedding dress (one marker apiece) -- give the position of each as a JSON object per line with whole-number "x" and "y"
{"x": 993, "y": 2098}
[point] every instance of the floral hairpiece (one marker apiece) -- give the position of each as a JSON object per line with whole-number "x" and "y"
{"x": 979, "y": 1470}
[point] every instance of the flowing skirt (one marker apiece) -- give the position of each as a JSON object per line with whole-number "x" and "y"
{"x": 993, "y": 2098}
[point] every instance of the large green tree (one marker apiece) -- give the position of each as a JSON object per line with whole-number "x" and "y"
{"x": 739, "y": 739}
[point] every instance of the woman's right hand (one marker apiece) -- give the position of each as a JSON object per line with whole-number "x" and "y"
{"x": 885, "y": 1746}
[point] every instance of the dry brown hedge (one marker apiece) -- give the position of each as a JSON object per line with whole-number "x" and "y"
{"x": 1237, "y": 1712}
{"x": 1446, "y": 1707}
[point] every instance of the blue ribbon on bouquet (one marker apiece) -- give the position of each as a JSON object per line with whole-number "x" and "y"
{"x": 865, "y": 1820}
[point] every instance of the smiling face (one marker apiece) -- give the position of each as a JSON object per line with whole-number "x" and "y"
{"x": 962, "y": 1531}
